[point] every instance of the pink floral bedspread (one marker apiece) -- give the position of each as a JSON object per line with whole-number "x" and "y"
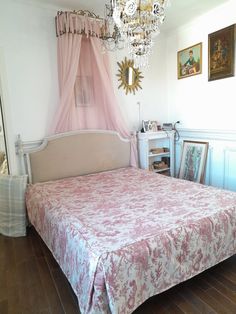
{"x": 123, "y": 236}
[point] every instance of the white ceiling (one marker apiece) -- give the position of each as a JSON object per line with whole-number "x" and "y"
{"x": 179, "y": 13}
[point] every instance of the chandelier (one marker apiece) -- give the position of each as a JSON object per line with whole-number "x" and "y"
{"x": 136, "y": 23}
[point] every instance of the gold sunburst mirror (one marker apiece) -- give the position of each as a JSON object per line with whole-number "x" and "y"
{"x": 129, "y": 76}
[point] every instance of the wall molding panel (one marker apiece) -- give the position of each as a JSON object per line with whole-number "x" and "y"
{"x": 225, "y": 135}
{"x": 229, "y": 171}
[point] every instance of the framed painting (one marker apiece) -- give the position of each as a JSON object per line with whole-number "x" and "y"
{"x": 189, "y": 61}
{"x": 150, "y": 126}
{"x": 193, "y": 161}
{"x": 221, "y": 53}
{"x": 154, "y": 126}
{"x": 84, "y": 91}
{"x": 147, "y": 125}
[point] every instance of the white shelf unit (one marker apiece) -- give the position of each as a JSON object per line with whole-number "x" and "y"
{"x": 152, "y": 140}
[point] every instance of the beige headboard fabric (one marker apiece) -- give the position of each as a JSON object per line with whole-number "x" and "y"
{"x": 78, "y": 154}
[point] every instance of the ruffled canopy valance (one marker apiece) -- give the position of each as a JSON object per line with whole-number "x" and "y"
{"x": 79, "y": 22}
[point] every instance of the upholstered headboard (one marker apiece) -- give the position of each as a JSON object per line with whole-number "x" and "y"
{"x": 77, "y": 153}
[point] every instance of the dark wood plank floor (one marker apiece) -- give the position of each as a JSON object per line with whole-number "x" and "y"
{"x": 32, "y": 282}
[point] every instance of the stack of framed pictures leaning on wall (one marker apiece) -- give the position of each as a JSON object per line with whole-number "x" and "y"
{"x": 221, "y": 56}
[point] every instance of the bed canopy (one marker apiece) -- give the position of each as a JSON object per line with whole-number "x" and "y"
{"x": 87, "y": 98}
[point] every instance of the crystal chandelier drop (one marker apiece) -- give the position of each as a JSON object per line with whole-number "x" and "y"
{"x": 111, "y": 35}
{"x": 137, "y": 22}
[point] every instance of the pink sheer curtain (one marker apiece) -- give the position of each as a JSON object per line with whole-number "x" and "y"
{"x": 87, "y": 98}
{"x": 68, "y": 49}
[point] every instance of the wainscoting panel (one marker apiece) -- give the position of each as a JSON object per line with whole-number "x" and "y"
{"x": 230, "y": 172}
{"x": 221, "y": 160}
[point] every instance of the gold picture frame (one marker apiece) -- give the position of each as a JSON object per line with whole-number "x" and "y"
{"x": 221, "y": 53}
{"x": 189, "y": 61}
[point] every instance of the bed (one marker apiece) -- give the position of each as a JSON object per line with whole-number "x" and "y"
{"x": 121, "y": 234}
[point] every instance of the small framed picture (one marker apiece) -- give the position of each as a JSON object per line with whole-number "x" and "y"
{"x": 190, "y": 61}
{"x": 84, "y": 91}
{"x": 147, "y": 125}
{"x": 221, "y": 50}
{"x": 193, "y": 161}
{"x": 154, "y": 126}
{"x": 150, "y": 126}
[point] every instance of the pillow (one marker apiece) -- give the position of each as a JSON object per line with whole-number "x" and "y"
{"x": 12, "y": 205}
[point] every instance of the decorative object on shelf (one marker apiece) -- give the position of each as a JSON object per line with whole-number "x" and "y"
{"x": 154, "y": 126}
{"x": 147, "y": 125}
{"x": 150, "y": 126}
{"x": 190, "y": 61}
{"x": 129, "y": 76}
{"x": 159, "y": 165}
{"x": 167, "y": 126}
{"x": 156, "y": 150}
{"x": 138, "y": 21}
{"x": 166, "y": 160}
{"x": 221, "y": 47}
{"x": 193, "y": 161}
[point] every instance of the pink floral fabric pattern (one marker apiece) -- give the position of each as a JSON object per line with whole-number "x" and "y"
{"x": 125, "y": 235}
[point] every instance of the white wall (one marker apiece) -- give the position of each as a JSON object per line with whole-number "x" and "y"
{"x": 206, "y": 109}
{"x": 28, "y": 39}
{"x": 152, "y": 96}
{"x": 194, "y": 101}
{"x": 29, "y": 80}
{"x": 28, "y": 75}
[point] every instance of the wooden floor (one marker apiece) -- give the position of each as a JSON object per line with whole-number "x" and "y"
{"x": 32, "y": 282}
